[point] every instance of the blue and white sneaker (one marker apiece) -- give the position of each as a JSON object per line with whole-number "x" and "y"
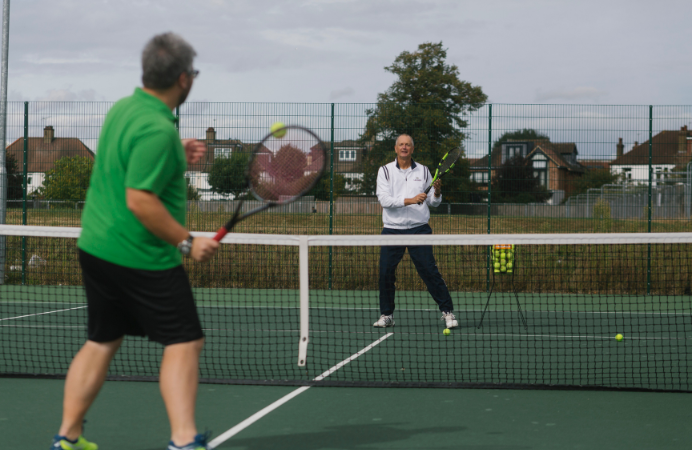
{"x": 200, "y": 443}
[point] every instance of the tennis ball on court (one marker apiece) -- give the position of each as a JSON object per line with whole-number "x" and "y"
{"x": 446, "y": 332}
{"x": 618, "y": 337}
{"x": 278, "y": 130}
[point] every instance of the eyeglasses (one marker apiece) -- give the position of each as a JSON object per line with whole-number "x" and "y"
{"x": 193, "y": 73}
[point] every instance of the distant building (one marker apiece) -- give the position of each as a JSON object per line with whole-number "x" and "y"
{"x": 554, "y": 164}
{"x": 669, "y": 149}
{"x": 198, "y": 173}
{"x": 348, "y": 156}
{"x": 43, "y": 152}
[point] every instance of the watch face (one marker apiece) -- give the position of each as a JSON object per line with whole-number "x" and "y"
{"x": 185, "y": 247}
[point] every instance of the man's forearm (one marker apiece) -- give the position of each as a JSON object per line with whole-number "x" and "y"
{"x": 148, "y": 209}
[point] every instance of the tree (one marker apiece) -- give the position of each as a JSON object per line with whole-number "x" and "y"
{"x": 525, "y": 134}
{"x": 594, "y": 179}
{"x": 227, "y": 174}
{"x": 515, "y": 183}
{"x": 321, "y": 189}
{"x": 428, "y": 102}
{"x": 68, "y": 179}
{"x": 192, "y": 193}
{"x": 15, "y": 178}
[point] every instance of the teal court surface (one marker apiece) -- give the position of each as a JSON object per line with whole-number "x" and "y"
{"x": 131, "y": 415}
{"x": 344, "y": 398}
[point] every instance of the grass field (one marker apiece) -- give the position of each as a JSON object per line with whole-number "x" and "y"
{"x": 296, "y": 223}
{"x": 571, "y": 269}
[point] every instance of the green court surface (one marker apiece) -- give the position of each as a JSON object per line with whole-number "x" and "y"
{"x": 130, "y": 415}
{"x": 252, "y": 335}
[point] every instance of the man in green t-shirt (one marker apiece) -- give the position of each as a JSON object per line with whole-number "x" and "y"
{"x": 131, "y": 247}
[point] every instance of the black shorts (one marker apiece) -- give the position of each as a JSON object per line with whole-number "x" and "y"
{"x": 153, "y": 303}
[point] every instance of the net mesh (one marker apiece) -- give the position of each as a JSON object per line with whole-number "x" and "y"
{"x": 576, "y": 293}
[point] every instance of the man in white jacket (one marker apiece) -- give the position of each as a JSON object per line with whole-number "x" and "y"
{"x": 401, "y": 188}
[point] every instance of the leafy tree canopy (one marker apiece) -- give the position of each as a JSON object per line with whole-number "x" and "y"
{"x": 525, "y": 134}
{"x": 321, "y": 189}
{"x": 192, "y": 193}
{"x": 427, "y": 101}
{"x": 594, "y": 179}
{"x": 227, "y": 174}
{"x": 68, "y": 179}
{"x": 14, "y": 178}
{"x": 515, "y": 183}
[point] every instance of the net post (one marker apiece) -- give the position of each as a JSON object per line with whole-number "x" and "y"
{"x": 25, "y": 185}
{"x": 304, "y": 300}
{"x": 648, "y": 257}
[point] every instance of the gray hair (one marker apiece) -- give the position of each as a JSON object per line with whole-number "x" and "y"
{"x": 164, "y": 58}
{"x": 408, "y": 136}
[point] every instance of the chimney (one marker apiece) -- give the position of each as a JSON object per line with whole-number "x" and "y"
{"x": 48, "y": 134}
{"x": 620, "y": 148}
{"x": 682, "y": 140}
{"x": 635, "y": 144}
{"x": 211, "y": 134}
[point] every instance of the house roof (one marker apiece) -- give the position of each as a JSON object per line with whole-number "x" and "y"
{"x": 667, "y": 147}
{"x": 42, "y": 155}
{"x": 479, "y": 163}
{"x": 556, "y": 151}
{"x": 595, "y": 163}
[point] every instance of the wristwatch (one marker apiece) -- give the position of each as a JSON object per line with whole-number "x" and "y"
{"x": 185, "y": 246}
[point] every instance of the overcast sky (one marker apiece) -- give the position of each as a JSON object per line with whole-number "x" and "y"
{"x": 518, "y": 51}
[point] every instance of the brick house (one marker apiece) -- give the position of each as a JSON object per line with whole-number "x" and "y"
{"x": 669, "y": 149}
{"x": 43, "y": 152}
{"x": 198, "y": 173}
{"x": 554, "y": 164}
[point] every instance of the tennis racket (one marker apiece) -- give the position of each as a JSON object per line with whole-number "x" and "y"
{"x": 281, "y": 170}
{"x": 445, "y": 165}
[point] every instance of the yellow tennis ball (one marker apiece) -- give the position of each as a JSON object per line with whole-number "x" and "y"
{"x": 446, "y": 332}
{"x": 278, "y": 130}
{"x": 618, "y": 337}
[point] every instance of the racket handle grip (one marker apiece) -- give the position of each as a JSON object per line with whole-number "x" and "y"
{"x": 220, "y": 234}
{"x": 428, "y": 189}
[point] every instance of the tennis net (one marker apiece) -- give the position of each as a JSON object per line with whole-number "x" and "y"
{"x": 300, "y": 310}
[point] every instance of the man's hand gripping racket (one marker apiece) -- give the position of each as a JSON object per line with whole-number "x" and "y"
{"x": 281, "y": 170}
{"x": 445, "y": 165}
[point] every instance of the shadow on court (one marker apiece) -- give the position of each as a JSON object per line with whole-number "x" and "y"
{"x": 342, "y": 437}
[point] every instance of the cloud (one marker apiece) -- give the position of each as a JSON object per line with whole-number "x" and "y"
{"x": 345, "y": 92}
{"x": 66, "y": 95}
{"x": 573, "y": 94}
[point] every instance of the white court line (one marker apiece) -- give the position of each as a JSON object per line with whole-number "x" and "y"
{"x": 258, "y": 415}
{"x": 42, "y": 314}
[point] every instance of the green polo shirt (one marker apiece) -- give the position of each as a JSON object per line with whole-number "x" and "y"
{"x": 139, "y": 148}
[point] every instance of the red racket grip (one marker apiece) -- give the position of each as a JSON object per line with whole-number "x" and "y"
{"x": 220, "y": 234}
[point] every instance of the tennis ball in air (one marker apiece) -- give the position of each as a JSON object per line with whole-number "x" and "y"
{"x": 446, "y": 332}
{"x": 277, "y": 130}
{"x": 618, "y": 337}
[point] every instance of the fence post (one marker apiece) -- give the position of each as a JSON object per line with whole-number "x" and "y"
{"x": 651, "y": 172}
{"x": 25, "y": 185}
{"x": 331, "y": 192}
{"x": 488, "y": 257}
{"x": 177, "y": 118}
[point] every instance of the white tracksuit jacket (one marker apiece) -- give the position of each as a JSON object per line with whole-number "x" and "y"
{"x": 393, "y": 186}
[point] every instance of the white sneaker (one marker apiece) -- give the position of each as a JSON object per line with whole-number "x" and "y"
{"x": 449, "y": 319}
{"x": 384, "y": 322}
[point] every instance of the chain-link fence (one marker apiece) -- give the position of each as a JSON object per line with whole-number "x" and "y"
{"x": 526, "y": 168}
